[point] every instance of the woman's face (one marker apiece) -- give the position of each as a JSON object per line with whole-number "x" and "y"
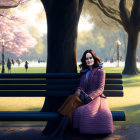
{"x": 89, "y": 60}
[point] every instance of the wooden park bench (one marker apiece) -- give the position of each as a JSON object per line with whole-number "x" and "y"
{"x": 50, "y": 84}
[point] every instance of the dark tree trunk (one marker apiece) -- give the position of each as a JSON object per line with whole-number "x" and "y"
{"x": 131, "y": 25}
{"x": 130, "y": 61}
{"x": 62, "y": 24}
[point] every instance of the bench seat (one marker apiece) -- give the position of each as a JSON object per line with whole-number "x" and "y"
{"x": 44, "y": 116}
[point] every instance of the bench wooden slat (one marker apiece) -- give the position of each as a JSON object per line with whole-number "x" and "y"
{"x": 113, "y": 93}
{"x": 76, "y": 81}
{"x": 73, "y": 87}
{"x": 53, "y": 75}
{"x": 22, "y": 75}
{"x": 23, "y": 81}
{"x": 22, "y": 87}
{"x": 118, "y": 115}
{"x": 27, "y": 116}
{"x": 23, "y": 93}
{"x": 113, "y": 87}
{"x": 114, "y": 81}
{"x": 44, "y": 116}
{"x": 51, "y": 93}
{"x": 114, "y": 75}
{"x": 52, "y": 87}
{"x": 53, "y": 81}
{"x": 66, "y": 93}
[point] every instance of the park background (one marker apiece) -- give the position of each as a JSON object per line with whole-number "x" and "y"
{"x": 91, "y": 35}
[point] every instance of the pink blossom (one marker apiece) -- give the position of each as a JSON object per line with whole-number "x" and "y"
{"x": 17, "y": 38}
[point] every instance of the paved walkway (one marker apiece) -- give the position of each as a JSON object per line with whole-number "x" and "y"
{"x": 33, "y": 132}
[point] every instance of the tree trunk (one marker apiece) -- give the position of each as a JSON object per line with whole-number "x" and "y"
{"x": 62, "y": 24}
{"x": 130, "y": 61}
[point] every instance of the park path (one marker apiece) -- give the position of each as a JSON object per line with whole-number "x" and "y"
{"x": 33, "y": 132}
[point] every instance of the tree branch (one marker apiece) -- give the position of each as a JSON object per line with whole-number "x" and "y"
{"x": 109, "y": 9}
{"x": 14, "y": 5}
{"x": 81, "y": 2}
{"x": 25, "y": 1}
{"x": 103, "y": 20}
{"x": 105, "y": 11}
{"x": 135, "y": 13}
{"x": 124, "y": 14}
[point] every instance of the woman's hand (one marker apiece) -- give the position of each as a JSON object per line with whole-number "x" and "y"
{"x": 87, "y": 100}
{"x": 84, "y": 97}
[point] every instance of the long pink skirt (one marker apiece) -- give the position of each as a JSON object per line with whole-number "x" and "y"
{"x": 94, "y": 117}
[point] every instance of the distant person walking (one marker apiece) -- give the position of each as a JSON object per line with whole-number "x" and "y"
{"x": 13, "y": 61}
{"x": 19, "y": 61}
{"x": 26, "y": 65}
{"x": 9, "y": 63}
{"x": 39, "y": 60}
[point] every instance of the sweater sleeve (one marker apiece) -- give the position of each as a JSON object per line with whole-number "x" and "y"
{"x": 100, "y": 85}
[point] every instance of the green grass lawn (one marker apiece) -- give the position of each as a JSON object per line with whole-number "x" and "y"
{"x": 130, "y": 103}
{"x": 30, "y": 70}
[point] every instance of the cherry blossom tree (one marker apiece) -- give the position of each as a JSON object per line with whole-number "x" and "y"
{"x": 6, "y": 4}
{"x": 15, "y": 33}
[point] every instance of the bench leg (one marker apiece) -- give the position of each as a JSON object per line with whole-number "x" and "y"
{"x": 51, "y": 127}
{"x": 59, "y": 132}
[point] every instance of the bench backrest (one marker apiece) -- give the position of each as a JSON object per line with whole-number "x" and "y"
{"x": 52, "y": 84}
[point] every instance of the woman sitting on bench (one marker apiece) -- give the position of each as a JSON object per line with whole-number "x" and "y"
{"x": 87, "y": 109}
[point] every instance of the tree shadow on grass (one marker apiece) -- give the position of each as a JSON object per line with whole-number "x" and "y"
{"x": 34, "y": 109}
{"x": 28, "y": 133}
{"x": 73, "y": 134}
{"x": 22, "y": 133}
{"x": 131, "y": 80}
{"x": 132, "y": 114}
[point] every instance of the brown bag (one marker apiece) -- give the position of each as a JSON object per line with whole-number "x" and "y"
{"x": 71, "y": 103}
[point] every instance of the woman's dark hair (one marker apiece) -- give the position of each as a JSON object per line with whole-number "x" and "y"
{"x": 97, "y": 60}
